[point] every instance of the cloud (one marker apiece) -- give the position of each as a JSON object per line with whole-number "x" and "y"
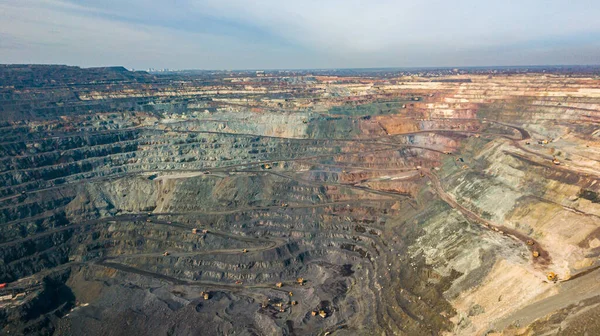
{"x": 45, "y": 31}
{"x": 354, "y": 25}
{"x": 300, "y": 33}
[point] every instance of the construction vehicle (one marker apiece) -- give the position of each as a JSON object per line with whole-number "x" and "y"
{"x": 313, "y": 313}
{"x": 166, "y": 254}
{"x": 205, "y": 231}
{"x": 148, "y": 220}
{"x": 322, "y": 313}
{"x": 545, "y": 142}
{"x": 245, "y": 251}
{"x": 527, "y": 142}
{"x": 465, "y": 167}
{"x": 294, "y": 303}
{"x": 530, "y": 242}
{"x": 194, "y": 231}
{"x": 291, "y": 294}
{"x": 552, "y": 276}
{"x": 205, "y": 295}
{"x": 555, "y": 161}
{"x": 238, "y": 282}
{"x": 448, "y": 153}
{"x": 536, "y": 254}
{"x": 279, "y": 284}
{"x": 267, "y": 166}
{"x": 300, "y": 281}
{"x": 477, "y": 136}
{"x": 284, "y": 205}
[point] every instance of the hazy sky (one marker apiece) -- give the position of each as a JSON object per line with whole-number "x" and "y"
{"x": 236, "y": 34}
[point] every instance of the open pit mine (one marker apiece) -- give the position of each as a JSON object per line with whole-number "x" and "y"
{"x": 440, "y": 202}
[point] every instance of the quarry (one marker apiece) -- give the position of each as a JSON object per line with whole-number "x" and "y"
{"x": 451, "y": 202}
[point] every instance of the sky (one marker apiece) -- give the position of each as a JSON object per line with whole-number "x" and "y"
{"x": 295, "y": 34}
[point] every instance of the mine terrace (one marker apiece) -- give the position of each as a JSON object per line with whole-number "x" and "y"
{"x": 340, "y": 202}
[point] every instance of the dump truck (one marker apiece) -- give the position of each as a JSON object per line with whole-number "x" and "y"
{"x": 322, "y": 313}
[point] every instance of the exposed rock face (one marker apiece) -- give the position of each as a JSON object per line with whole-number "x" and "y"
{"x": 133, "y": 204}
